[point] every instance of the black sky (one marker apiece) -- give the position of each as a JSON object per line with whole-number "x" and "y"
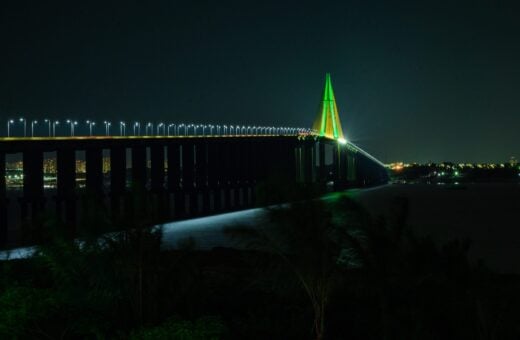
{"x": 414, "y": 80}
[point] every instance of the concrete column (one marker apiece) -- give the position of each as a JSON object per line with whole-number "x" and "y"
{"x": 3, "y": 202}
{"x": 117, "y": 179}
{"x": 308, "y": 160}
{"x": 227, "y": 172}
{"x": 351, "y": 167}
{"x": 33, "y": 173}
{"x": 188, "y": 166}
{"x": 139, "y": 167}
{"x": 174, "y": 167}
{"x": 174, "y": 178}
{"x": 188, "y": 174}
{"x": 201, "y": 177}
{"x": 66, "y": 182}
{"x": 157, "y": 182}
{"x": 343, "y": 164}
{"x": 255, "y": 166}
{"x": 94, "y": 168}
{"x": 157, "y": 170}
{"x": 214, "y": 171}
{"x": 234, "y": 173}
{"x": 66, "y": 172}
{"x": 33, "y": 197}
{"x": 321, "y": 154}
{"x": 201, "y": 167}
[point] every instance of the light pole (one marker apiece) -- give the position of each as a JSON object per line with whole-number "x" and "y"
{"x": 48, "y": 121}
{"x": 56, "y": 122}
{"x": 138, "y": 126}
{"x": 159, "y": 129}
{"x": 122, "y": 129}
{"x": 90, "y": 125}
{"x": 9, "y": 122}
{"x": 72, "y": 124}
{"x": 24, "y": 121}
{"x": 107, "y": 128}
{"x": 32, "y": 127}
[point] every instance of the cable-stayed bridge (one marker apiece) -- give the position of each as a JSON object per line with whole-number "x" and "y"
{"x": 180, "y": 170}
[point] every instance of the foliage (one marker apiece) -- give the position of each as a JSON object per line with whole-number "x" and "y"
{"x": 205, "y": 328}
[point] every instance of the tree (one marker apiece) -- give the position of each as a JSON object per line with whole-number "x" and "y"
{"x": 313, "y": 244}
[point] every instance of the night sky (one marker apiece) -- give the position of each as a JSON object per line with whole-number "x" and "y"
{"x": 414, "y": 81}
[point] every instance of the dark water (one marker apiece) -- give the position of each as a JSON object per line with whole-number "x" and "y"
{"x": 487, "y": 214}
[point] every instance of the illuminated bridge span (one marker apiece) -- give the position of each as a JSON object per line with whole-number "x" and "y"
{"x": 179, "y": 175}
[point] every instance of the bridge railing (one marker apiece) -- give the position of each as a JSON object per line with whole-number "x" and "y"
{"x": 28, "y": 128}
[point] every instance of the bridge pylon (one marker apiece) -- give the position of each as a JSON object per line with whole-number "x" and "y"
{"x": 327, "y": 122}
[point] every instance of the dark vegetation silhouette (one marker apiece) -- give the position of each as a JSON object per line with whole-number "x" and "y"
{"x": 322, "y": 269}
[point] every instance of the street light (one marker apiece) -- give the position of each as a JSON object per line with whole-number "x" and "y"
{"x": 159, "y": 129}
{"x": 107, "y": 127}
{"x": 138, "y": 126}
{"x": 122, "y": 129}
{"x": 90, "y": 125}
{"x": 9, "y": 122}
{"x": 32, "y": 127}
{"x": 179, "y": 128}
{"x": 48, "y": 121}
{"x": 24, "y": 121}
{"x": 72, "y": 124}
{"x": 56, "y": 122}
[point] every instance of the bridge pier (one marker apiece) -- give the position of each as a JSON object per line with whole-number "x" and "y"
{"x": 138, "y": 199}
{"x": 3, "y": 202}
{"x": 94, "y": 168}
{"x": 351, "y": 168}
{"x": 214, "y": 172}
{"x": 308, "y": 161}
{"x": 66, "y": 182}
{"x": 201, "y": 178}
{"x": 321, "y": 155}
{"x": 343, "y": 166}
{"x": 224, "y": 167}
{"x": 159, "y": 206}
{"x": 117, "y": 181}
{"x": 32, "y": 202}
{"x": 174, "y": 177}
{"x": 188, "y": 169}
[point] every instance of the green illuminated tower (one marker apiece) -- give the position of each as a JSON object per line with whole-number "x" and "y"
{"x": 327, "y": 122}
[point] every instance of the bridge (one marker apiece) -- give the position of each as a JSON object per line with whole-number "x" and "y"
{"x": 180, "y": 174}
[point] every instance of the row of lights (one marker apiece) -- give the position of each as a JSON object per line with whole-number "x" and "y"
{"x": 162, "y": 129}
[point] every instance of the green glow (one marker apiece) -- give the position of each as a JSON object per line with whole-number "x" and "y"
{"x": 327, "y": 122}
